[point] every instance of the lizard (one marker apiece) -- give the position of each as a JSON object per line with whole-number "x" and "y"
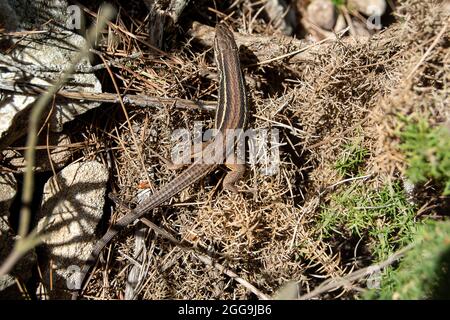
{"x": 231, "y": 114}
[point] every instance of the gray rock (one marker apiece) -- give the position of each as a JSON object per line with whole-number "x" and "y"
{"x": 341, "y": 24}
{"x": 72, "y": 206}
{"x": 368, "y": 7}
{"x": 22, "y": 270}
{"x": 8, "y": 23}
{"x": 59, "y": 154}
{"x": 34, "y": 13}
{"x": 282, "y": 15}
{"x": 410, "y": 190}
{"x": 8, "y": 18}
{"x": 39, "y": 60}
{"x": 322, "y": 13}
{"x": 361, "y": 30}
{"x": 8, "y": 187}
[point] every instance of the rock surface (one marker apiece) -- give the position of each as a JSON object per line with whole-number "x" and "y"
{"x": 282, "y": 15}
{"x": 322, "y": 13}
{"x": 341, "y": 24}
{"x": 71, "y": 209}
{"x": 8, "y": 187}
{"x": 22, "y": 270}
{"x": 59, "y": 154}
{"x": 8, "y": 18}
{"x": 7, "y": 193}
{"x": 39, "y": 60}
{"x": 368, "y": 7}
{"x": 35, "y": 13}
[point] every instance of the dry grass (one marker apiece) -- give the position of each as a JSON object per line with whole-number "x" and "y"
{"x": 351, "y": 92}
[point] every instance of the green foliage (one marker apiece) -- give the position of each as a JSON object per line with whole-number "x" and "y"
{"x": 424, "y": 272}
{"x": 351, "y": 160}
{"x": 338, "y": 3}
{"x": 427, "y": 152}
{"x": 383, "y": 218}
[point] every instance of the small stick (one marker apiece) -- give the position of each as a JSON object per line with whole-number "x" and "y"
{"x": 138, "y": 100}
{"x": 331, "y": 284}
{"x": 427, "y": 53}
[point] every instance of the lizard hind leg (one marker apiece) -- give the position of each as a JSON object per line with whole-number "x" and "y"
{"x": 233, "y": 176}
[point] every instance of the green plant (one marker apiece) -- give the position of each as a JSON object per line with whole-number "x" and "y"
{"x": 338, "y": 3}
{"x": 424, "y": 272}
{"x": 351, "y": 160}
{"x": 427, "y": 152}
{"x": 383, "y": 218}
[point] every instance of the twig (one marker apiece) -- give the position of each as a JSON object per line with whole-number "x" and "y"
{"x": 23, "y": 33}
{"x": 427, "y": 53}
{"x": 138, "y": 100}
{"x": 139, "y": 256}
{"x": 347, "y": 180}
{"x": 332, "y": 284}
